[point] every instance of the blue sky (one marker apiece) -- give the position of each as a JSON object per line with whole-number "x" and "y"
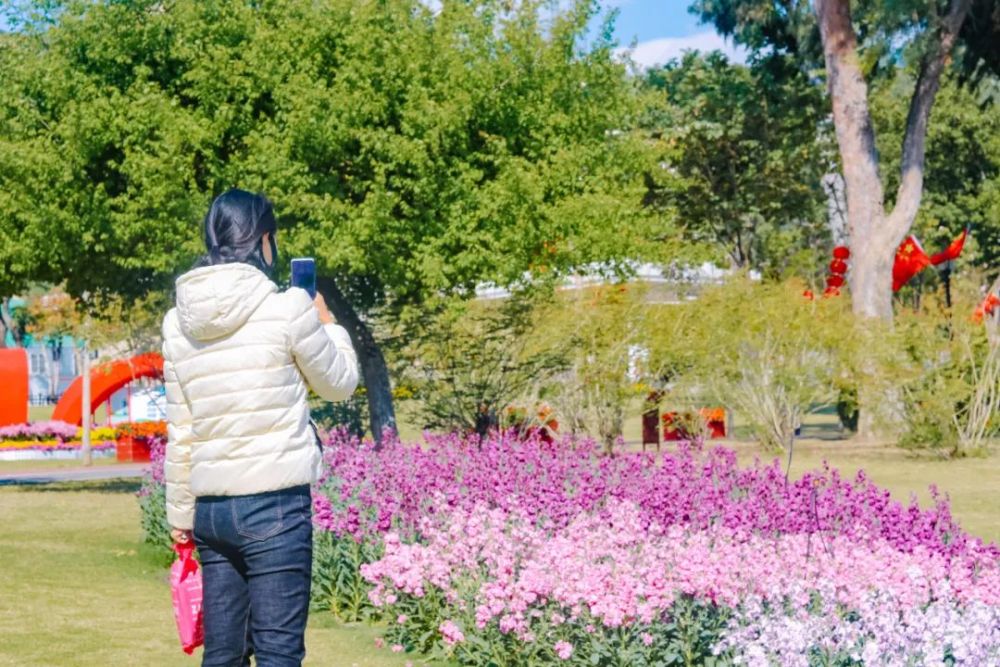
{"x": 663, "y": 29}
{"x": 652, "y": 19}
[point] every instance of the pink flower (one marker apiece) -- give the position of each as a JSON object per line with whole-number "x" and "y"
{"x": 402, "y": 619}
{"x": 563, "y": 649}
{"x": 397, "y": 648}
{"x": 647, "y": 639}
{"x": 379, "y": 642}
{"x": 451, "y": 633}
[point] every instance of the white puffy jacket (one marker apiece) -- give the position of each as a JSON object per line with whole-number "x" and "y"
{"x": 237, "y": 358}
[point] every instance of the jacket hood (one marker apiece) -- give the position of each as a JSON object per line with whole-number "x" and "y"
{"x": 215, "y": 301}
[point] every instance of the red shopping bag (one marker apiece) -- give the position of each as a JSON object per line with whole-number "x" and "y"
{"x": 185, "y": 584}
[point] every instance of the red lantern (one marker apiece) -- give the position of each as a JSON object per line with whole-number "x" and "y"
{"x": 842, "y": 252}
{"x": 838, "y": 266}
{"x": 835, "y": 281}
{"x": 831, "y": 291}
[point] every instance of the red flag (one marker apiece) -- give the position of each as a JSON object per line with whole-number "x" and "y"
{"x": 910, "y": 260}
{"x": 952, "y": 251}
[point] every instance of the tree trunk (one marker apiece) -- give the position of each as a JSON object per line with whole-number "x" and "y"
{"x": 374, "y": 371}
{"x": 874, "y": 235}
{"x": 871, "y": 268}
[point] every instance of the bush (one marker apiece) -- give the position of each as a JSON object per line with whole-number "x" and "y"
{"x": 473, "y": 359}
{"x": 773, "y": 363}
{"x": 949, "y": 372}
{"x": 601, "y": 332}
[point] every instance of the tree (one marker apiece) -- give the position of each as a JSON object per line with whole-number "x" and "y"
{"x": 413, "y": 152}
{"x": 743, "y": 158}
{"x": 860, "y": 42}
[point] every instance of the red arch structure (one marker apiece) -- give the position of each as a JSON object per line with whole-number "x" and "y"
{"x": 105, "y": 380}
{"x": 13, "y": 386}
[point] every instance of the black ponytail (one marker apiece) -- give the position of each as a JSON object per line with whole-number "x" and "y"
{"x": 234, "y": 226}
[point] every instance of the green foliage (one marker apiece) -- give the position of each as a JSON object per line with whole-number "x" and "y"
{"x": 950, "y": 378}
{"x": 787, "y": 26}
{"x": 686, "y": 638}
{"x": 761, "y": 349}
{"x": 889, "y": 32}
{"x": 337, "y": 584}
{"x": 601, "y": 332}
{"x": 962, "y": 176}
{"x": 743, "y": 150}
{"x": 155, "y": 528}
{"x": 351, "y": 414}
{"x": 411, "y": 151}
{"x": 470, "y": 360}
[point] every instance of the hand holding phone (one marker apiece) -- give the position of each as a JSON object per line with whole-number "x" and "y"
{"x": 325, "y": 317}
{"x": 304, "y": 274}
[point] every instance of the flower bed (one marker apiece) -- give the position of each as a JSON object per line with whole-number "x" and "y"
{"x": 37, "y": 431}
{"x": 527, "y": 552}
{"x": 51, "y": 440}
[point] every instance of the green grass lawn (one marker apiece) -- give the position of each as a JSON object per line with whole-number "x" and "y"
{"x": 43, "y": 466}
{"x": 79, "y": 588}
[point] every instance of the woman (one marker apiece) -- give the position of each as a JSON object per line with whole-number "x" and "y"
{"x": 238, "y": 359}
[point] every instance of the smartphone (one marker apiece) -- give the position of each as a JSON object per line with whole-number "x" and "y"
{"x": 304, "y": 274}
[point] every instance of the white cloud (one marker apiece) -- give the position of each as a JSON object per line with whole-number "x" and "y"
{"x": 658, "y": 51}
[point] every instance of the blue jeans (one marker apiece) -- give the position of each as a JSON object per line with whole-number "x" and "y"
{"x": 256, "y": 558}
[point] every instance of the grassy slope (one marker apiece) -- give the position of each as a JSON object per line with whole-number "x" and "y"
{"x": 78, "y": 588}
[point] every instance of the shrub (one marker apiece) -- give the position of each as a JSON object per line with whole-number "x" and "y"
{"x": 773, "y": 362}
{"x": 950, "y": 379}
{"x": 471, "y": 360}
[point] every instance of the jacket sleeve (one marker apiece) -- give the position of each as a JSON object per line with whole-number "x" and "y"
{"x": 177, "y": 466}
{"x": 323, "y": 353}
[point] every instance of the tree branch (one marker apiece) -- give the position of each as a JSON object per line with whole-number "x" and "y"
{"x": 932, "y": 66}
